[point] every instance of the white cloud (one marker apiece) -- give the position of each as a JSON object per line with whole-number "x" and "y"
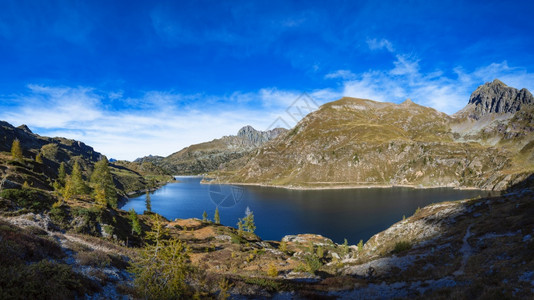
{"x": 375, "y": 44}
{"x": 157, "y": 123}
{"x": 343, "y": 74}
{"x": 444, "y": 93}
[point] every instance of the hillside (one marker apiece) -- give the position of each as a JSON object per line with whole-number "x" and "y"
{"x": 54, "y": 151}
{"x": 210, "y": 156}
{"x": 358, "y": 142}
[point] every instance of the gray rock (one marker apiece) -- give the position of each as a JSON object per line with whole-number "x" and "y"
{"x": 497, "y": 98}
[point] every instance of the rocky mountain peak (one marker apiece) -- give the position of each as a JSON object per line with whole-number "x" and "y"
{"x": 497, "y": 98}
{"x": 258, "y": 137}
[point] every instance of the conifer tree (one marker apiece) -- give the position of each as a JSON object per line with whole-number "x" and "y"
{"x": 161, "y": 269}
{"x": 247, "y": 223}
{"x": 217, "y": 217}
{"x": 16, "y": 150}
{"x": 62, "y": 174}
{"x": 39, "y": 158}
{"x": 75, "y": 185}
{"x": 68, "y": 191}
{"x": 136, "y": 225}
{"x": 102, "y": 181}
{"x": 100, "y": 197}
{"x": 205, "y": 216}
{"x": 148, "y": 202}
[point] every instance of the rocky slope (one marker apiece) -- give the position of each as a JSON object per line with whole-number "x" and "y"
{"x": 209, "y": 156}
{"x": 497, "y": 115}
{"x": 353, "y": 142}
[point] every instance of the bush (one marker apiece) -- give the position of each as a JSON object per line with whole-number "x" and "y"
{"x": 32, "y": 199}
{"x": 43, "y": 280}
{"x": 94, "y": 258}
{"x": 401, "y": 247}
{"x": 272, "y": 271}
{"x": 313, "y": 263}
{"x": 59, "y": 215}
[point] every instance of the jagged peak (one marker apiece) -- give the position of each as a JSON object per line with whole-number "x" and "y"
{"x": 496, "y": 97}
{"x": 497, "y": 82}
{"x": 246, "y": 129}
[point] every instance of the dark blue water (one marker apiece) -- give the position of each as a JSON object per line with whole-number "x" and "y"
{"x": 353, "y": 214}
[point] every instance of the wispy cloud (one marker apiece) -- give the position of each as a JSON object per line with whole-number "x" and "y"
{"x": 444, "y": 93}
{"x": 343, "y": 74}
{"x": 375, "y": 44}
{"x": 156, "y": 123}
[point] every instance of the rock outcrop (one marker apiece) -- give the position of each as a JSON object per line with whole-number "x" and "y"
{"x": 496, "y": 98}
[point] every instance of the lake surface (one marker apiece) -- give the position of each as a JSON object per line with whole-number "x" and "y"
{"x": 353, "y": 214}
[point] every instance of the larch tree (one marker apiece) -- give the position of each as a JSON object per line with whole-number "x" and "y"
{"x": 102, "y": 182}
{"x": 61, "y": 174}
{"x": 75, "y": 185}
{"x": 16, "y": 150}
{"x": 136, "y": 225}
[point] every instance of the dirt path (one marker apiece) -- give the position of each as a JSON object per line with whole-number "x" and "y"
{"x": 466, "y": 252}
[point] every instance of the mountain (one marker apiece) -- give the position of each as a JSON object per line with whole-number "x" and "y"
{"x": 496, "y": 99}
{"x": 355, "y": 142}
{"x": 209, "y": 156}
{"x": 497, "y": 115}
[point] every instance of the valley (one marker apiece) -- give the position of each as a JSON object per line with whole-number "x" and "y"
{"x": 62, "y": 229}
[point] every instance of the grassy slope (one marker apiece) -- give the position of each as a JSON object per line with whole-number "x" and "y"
{"x": 362, "y": 142}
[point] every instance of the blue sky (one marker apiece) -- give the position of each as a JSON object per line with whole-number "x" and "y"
{"x": 133, "y": 78}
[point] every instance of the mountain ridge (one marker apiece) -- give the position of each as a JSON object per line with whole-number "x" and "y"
{"x": 360, "y": 142}
{"x": 209, "y": 156}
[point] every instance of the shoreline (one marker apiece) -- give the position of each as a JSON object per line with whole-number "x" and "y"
{"x": 341, "y": 187}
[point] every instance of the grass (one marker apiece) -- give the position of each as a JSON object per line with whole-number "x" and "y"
{"x": 29, "y": 268}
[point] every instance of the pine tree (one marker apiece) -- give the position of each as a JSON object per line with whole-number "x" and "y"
{"x": 68, "y": 191}
{"x": 100, "y": 197}
{"x": 360, "y": 246}
{"x": 16, "y": 150}
{"x": 62, "y": 174}
{"x": 136, "y": 225}
{"x": 39, "y": 158}
{"x": 247, "y": 223}
{"x": 148, "y": 202}
{"x": 217, "y": 217}
{"x": 103, "y": 180}
{"x": 205, "y": 216}
{"x": 79, "y": 186}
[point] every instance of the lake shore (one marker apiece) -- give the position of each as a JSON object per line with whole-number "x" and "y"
{"x": 324, "y": 186}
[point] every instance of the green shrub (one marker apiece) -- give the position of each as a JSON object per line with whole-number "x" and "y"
{"x": 43, "y": 280}
{"x": 94, "y": 258}
{"x": 402, "y": 246}
{"x": 59, "y": 215}
{"x": 313, "y": 263}
{"x": 32, "y": 199}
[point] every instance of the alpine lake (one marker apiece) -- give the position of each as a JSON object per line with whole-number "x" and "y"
{"x": 352, "y": 213}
